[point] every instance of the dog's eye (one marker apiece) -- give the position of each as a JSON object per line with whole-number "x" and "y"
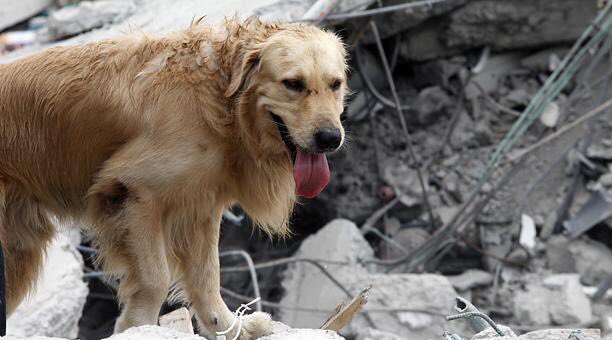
{"x": 294, "y": 84}
{"x": 335, "y": 85}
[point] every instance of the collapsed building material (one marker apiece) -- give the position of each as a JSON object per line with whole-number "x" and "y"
{"x": 179, "y": 320}
{"x": 545, "y": 334}
{"x": 553, "y": 334}
{"x": 416, "y": 304}
{"x": 375, "y": 334}
{"x": 340, "y": 241}
{"x": 293, "y": 10}
{"x": 395, "y": 22}
{"x": 589, "y": 258}
{"x": 596, "y": 210}
{"x": 304, "y": 334}
{"x": 572, "y": 306}
{"x": 545, "y": 60}
{"x": 516, "y": 98}
{"x": 12, "y": 12}
{"x": 55, "y": 306}
{"x": 469, "y": 279}
{"x": 151, "y": 332}
{"x": 408, "y": 239}
{"x": 430, "y": 104}
{"x": 500, "y": 25}
{"x": 87, "y": 15}
{"x": 490, "y": 333}
{"x": 559, "y": 299}
{"x": 412, "y": 305}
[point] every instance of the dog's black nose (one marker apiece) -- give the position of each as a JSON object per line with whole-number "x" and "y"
{"x": 328, "y": 139}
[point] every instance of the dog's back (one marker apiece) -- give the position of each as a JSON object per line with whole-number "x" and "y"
{"x": 54, "y": 106}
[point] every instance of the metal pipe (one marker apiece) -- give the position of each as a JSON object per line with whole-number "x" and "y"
{"x": 477, "y": 320}
{"x": 464, "y": 306}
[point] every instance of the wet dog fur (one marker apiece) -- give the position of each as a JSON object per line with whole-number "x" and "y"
{"x": 147, "y": 140}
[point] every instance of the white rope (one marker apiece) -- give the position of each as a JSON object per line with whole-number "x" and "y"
{"x": 237, "y": 318}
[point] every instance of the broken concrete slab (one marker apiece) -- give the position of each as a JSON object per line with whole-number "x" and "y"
{"x": 519, "y": 23}
{"x": 10, "y": 337}
{"x": 470, "y": 133}
{"x": 409, "y": 239}
{"x": 395, "y": 22}
{"x": 426, "y": 298}
{"x": 531, "y": 305}
{"x": 606, "y": 179}
{"x": 430, "y": 103}
{"x": 161, "y": 333}
{"x": 416, "y": 302}
{"x": 591, "y": 259}
{"x": 375, "y": 334}
{"x": 306, "y": 286}
{"x": 555, "y": 334}
{"x": 13, "y": 12}
{"x": 179, "y": 319}
{"x": 437, "y": 72}
{"x": 544, "y": 334}
{"x": 600, "y": 151}
{"x": 87, "y": 15}
{"x": 424, "y": 43}
{"x": 500, "y": 25}
{"x": 606, "y": 325}
{"x": 516, "y": 97}
{"x": 490, "y": 333}
{"x": 293, "y": 10}
{"x": 470, "y": 278}
{"x": 153, "y": 332}
{"x": 178, "y": 15}
{"x": 405, "y": 182}
{"x": 490, "y": 77}
{"x": 545, "y": 60}
{"x": 559, "y": 256}
{"x": 573, "y": 306}
{"x": 304, "y": 334}
{"x": 557, "y": 299}
{"x": 56, "y": 303}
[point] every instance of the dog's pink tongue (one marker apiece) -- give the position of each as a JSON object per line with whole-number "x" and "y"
{"x": 311, "y": 173}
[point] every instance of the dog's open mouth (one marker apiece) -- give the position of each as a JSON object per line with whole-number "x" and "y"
{"x": 310, "y": 170}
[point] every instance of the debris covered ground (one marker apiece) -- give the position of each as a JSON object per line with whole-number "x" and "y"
{"x": 532, "y": 248}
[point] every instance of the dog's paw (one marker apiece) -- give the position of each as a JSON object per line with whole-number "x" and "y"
{"x": 256, "y": 325}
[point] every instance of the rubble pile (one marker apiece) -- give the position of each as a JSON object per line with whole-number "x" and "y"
{"x": 56, "y": 304}
{"x": 535, "y": 253}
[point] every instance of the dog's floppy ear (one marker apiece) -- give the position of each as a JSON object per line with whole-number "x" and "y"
{"x": 243, "y": 71}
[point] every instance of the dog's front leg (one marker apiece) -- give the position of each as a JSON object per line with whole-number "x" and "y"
{"x": 199, "y": 266}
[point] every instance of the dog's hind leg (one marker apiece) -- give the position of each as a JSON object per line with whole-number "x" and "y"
{"x": 197, "y": 249}
{"x": 25, "y": 231}
{"x": 129, "y": 234}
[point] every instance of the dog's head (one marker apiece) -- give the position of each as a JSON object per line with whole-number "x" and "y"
{"x": 296, "y": 83}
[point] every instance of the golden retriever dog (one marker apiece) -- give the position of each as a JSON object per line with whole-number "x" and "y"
{"x": 148, "y": 139}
